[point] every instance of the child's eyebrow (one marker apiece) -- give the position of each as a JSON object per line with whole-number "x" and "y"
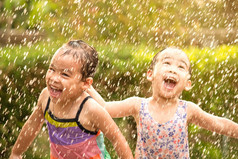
{"x": 181, "y": 60}
{"x": 62, "y": 70}
{"x": 166, "y": 57}
{"x": 67, "y": 70}
{"x": 52, "y": 65}
{"x": 186, "y": 64}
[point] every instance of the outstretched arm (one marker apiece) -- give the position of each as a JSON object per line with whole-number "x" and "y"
{"x": 102, "y": 121}
{"x": 117, "y": 109}
{"x": 96, "y": 96}
{"x": 210, "y": 122}
{"x": 28, "y": 133}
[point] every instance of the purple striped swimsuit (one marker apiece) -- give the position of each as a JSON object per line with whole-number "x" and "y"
{"x": 70, "y": 140}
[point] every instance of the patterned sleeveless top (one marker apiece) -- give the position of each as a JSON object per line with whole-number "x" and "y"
{"x": 162, "y": 141}
{"x": 70, "y": 140}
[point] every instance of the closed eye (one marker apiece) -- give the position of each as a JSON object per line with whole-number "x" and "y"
{"x": 182, "y": 67}
{"x": 51, "y": 69}
{"x": 166, "y": 63}
{"x": 65, "y": 75}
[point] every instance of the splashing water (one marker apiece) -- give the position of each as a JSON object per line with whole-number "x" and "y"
{"x": 127, "y": 35}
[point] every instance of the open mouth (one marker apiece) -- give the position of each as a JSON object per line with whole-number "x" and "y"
{"x": 55, "y": 92}
{"x": 170, "y": 83}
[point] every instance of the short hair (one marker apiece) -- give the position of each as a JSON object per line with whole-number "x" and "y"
{"x": 155, "y": 58}
{"x": 87, "y": 55}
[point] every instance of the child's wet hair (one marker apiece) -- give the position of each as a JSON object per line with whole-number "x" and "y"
{"x": 87, "y": 55}
{"x": 155, "y": 58}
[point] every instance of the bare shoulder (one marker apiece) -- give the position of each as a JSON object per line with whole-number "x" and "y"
{"x": 136, "y": 107}
{"x": 92, "y": 105}
{"x": 43, "y": 98}
{"x": 132, "y": 104}
{"x": 196, "y": 115}
{"x": 93, "y": 114}
{"x": 192, "y": 109}
{"x": 92, "y": 108}
{"x": 136, "y": 102}
{"x": 191, "y": 105}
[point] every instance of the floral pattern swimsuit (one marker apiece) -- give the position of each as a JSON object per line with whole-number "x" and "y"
{"x": 162, "y": 141}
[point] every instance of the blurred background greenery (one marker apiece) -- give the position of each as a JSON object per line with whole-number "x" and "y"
{"x": 126, "y": 33}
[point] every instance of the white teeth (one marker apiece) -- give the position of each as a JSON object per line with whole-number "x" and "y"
{"x": 171, "y": 78}
{"x": 54, "y": 88}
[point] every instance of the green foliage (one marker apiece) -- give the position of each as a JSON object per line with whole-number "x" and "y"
{"x": 142, "y": 26}
{"x": 152, "y": 22}
{"x": 214, "y": 74}
{"x": 122, "y": 70}
{"x": 121, "y": 74}
{"x": 22, "y": 70}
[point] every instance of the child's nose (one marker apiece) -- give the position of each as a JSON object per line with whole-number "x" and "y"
{"x": 55, "y": 78}
{"x": 173, "y": 69}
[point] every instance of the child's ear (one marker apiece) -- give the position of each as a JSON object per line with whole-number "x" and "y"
{"x": 87, "y": 83}
{"x": 188, "y": 85}
{"x": 149, "y": 75}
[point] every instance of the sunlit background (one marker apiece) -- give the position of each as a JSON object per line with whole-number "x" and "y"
{"x": 126, "y": 33}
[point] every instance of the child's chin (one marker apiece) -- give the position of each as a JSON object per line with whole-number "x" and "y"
{"x": 169, "y": 95}
{"x": 55, "y": 99}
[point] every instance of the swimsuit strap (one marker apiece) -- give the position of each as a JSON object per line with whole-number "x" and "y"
{"x": 81, "y": 107}
{"x": 77, "y": 118}
{"x": 47, "y": 105}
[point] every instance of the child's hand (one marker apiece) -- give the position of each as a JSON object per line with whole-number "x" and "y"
{"x": 14, "y": 156}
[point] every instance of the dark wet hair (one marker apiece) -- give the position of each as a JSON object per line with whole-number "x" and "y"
{"x": 87, "y": 55}
{"x": 155, "y": 59}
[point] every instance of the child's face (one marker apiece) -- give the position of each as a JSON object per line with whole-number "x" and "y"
{"x": 63, "y": 78}
{"x": 171, "y": 73}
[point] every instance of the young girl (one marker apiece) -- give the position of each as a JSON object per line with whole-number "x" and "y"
{"x": 162, "y": 119}
{"x": 75, "y": 121}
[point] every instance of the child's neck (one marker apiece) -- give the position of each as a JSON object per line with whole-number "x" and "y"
{"x": 164, "y": 102}
{"x": 162, "y": 110}
{"x": 64, "y": 108}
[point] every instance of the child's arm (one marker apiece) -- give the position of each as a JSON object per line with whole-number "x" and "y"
{"x": 117, "y": 109}
{"x": 28, "y": 133}
{"x": 210, "y": 122}
{"x": 102, "y": 121}
{"x": 96, "y": 96}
